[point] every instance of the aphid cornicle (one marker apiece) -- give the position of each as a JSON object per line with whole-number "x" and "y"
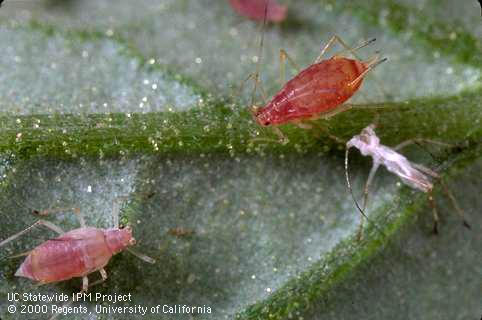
{"x": 255, "y": 9}
{"x": 318, "y": 91}
{"x": 412, "y": 174}
{"x": 76, "y": 253}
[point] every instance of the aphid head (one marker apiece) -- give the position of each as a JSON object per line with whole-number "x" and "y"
{"x": 264, "y": 117}
{"x": 125, "y": 241}
{"x": 119, "y": 239}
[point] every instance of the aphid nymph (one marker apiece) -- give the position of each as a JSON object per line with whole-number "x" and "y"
{"x": 76, "y": 253}
{"x": 412, "y": 174}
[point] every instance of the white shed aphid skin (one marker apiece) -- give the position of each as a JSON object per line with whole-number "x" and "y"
{"x": 412, "y": 174}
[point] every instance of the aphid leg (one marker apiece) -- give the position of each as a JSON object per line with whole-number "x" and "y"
{"x": 352, "y": 50}
{"x": 253, "y": 96}
{"x": 327, "y": 132}
{"x": 412, "y": 141}
{"x": 337, "y": 110}
{"x": 303, "y": 125}
{"x": 141, "y": 256}
{"x": 257, "y": 82}
{"x": 283, "y": 55}
{"x": 348, "y": 183}
{"x": 47, "y": 224}
{"x": 20, "y": 255}
{"x": 456, "y": 206}
{"x": 281, "y": 136}
{"x": 309, "y": 126}
{"x": 433, "y": 174}
{"x": 40, "y": 283}
{"x": 261, "y": 88}
{"x": 85, "y": 287}
{"x": 328, "y": 45}
{"x": 103, "y": 275}
{"x": 306, "y": 126}
{"x": 85, "y": 283}
{"x": 237, "y": 92}
{"x": 366, "y": 191}
{"x": 77, "y": 212}
{"x": 446, "y": 190}
{"x": 431, "y": 201}
{"x": 282, "y": 139}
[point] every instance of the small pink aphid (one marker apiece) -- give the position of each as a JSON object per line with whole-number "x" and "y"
{"x": 412, "y": 174}
{"x": 76, "y": 253}
{"x": 256, "y": 9}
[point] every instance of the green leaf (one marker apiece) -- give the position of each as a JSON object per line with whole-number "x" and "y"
{"x": 101, "y": 100}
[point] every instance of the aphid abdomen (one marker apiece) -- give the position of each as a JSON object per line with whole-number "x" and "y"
{"x": 74, "y": 254}
{"x": 318, "y": 89}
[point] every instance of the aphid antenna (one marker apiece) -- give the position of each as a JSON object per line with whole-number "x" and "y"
{"x": 377, "y": 63}
{"x": 358, "y": 47}
{"x": 348, "y": 182}
{"x": 364, "y": 44}
{"x": 260, "y": 53}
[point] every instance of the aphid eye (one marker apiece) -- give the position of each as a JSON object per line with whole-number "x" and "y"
{"x": 121, "y": 226}
{"x": 267, "y": 123}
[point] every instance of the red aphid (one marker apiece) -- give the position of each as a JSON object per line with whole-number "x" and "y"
{"x": 315, "y": 91}
{"x": 257, "y": 9}
{"x": 76, "y": 253}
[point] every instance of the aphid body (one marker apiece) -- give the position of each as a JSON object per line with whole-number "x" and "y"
{"x": 258, "y": 9}
{"x": 314, "y": 92}
{"x": 76, "y": 253}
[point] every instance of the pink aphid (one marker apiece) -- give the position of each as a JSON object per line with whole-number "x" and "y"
{"x": 316, "y": 90}
{"x": 257, "y": 9}
{"x": 76, "y": 253}
{"x": 412, "y": 174}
